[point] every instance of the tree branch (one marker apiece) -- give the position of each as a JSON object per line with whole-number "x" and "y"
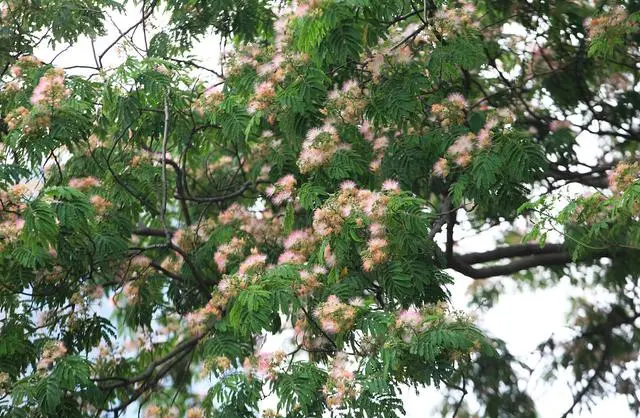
{"x": 524, "y": 263}
{"x": 522, "y": 250}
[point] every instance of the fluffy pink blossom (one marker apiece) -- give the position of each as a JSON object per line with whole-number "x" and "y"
{"x": 458, "y": 100}
{"x": 557, "y": 125}
{"x": 84, "y": 183}
{"x": 441, "y": 167}
{"x": 253, "y": 261}
{"x": 391, "y": 186}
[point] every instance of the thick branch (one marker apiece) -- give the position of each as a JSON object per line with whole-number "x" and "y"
{"x": 524, "y": 263}
{"x": 512, "y": 251}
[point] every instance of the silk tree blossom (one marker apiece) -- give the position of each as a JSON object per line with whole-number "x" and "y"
{"x": 100, "y": 204}
{"x": 264, "y": 94}
{"x": 310, "y": 280}
{"x": 263, "y": 226}
{"x": 254, "y": 261}
{"x": 84, "y": 183}
{"x": 450, "y": 112}
{"x": 16, "y": 117}
{"x": 10, "y": 230}
{"x": 52, "y": 351}
{"x": 334, "y": 316}
{"x": 347, "y": 103}
{"x": 391, "y": 186}
{"x": 264, "y": 365}
{"x": 557, "y": 125}
{"x": 617, "y": 18}
{"x": 341, "y": 383}
{"x": 283, "y": 190}
{"x": 624, "y": 175}
{"x": 195, "y": 412}
{"x": 375, "y": 253}
{"x": 448, "y": 21}
{"x": 50, "y": 89}
{"x": 360, "y": 204}
{"x": 298, "y": 246}
{"x": 441, "y": 168}
{"x": 319, "y": 147}
{"x": 225, "y": 251}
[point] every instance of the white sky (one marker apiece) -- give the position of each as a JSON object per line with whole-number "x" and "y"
{"x": 523, "y": 320}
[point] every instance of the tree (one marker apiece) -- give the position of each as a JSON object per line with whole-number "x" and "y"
{"x": 313, "y": 191}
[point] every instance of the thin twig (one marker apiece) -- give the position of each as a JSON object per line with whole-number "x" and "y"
{"x": 165, "y": 135}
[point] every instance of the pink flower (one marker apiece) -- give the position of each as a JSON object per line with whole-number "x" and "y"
{"x": 484, "y": 138}
{"x": 329, "y": 257}
{"x": 409, "y": 318}
{"x": 84, "y": 183}
{"x": 463, "y": 144}
{"x": 391, "y": 186}
{"x": 458, "y": 100}
{"x": 329, "y": 326}
{"x": 253, "y": 261}
{"x": 557, "y": 125}
{"x": 441, "y": 167}
{"x": 463, "y": 160}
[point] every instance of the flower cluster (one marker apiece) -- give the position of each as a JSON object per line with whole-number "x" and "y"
{"x": 23, "y": 64}
{"x": 154, "y": 411}
{"x": 50, "y": 90}
{"x": 364, "y": 206}
{"x": 307, "y": 7}
{"x": 379, "y": 144}
{"x": 263, "y": 96}
{"x": 348, "y": 103}
{"x": 335, "y": 316}
{"x": 264, "y": 365}
{"x": 298, "y": 245}
{"x": 263, "y": 226}
{"x": 452, "y": 111}
{"x": 84, "y": 183}
{"x": 100, "y": 204}
{"x": 30, "y": 122}
{"x": 318, "y": 148}
{"x": 10, "y": 230}
{"x": 52, "y": 351}
{"x": 310, "y": 280}
{"x": 449, "y": 20}
{"x": 195, "y": 412}
{"x": 616, "y": 19}
{"x": 461, "y": 151}
{"x": 254, "y": 261}
{"x": 283, "y": 190}
{"x": 5, "y": 379}
{"x": 623, "y": 176}
{"x": 341, "y": 383}
{"x": 196, "y": 321}
{"x": 224, "y": 251}
{"x": 558, "y": 125}
{"x": 209, "y": 101}
{"x": 412, "y": 321}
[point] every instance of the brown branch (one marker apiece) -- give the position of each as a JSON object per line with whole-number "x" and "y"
{"x": 151, "y": 232}
{"x": 522, "y": 250}
{"x": 524, "y": 263}
{"x": 600, "y": 368}
{"x": 123, "y": 34}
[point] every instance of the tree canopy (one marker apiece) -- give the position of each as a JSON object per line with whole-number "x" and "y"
{"x": 157, "y": 226}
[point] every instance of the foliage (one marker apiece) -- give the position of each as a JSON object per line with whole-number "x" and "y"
{"x": 155, "y": 228}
